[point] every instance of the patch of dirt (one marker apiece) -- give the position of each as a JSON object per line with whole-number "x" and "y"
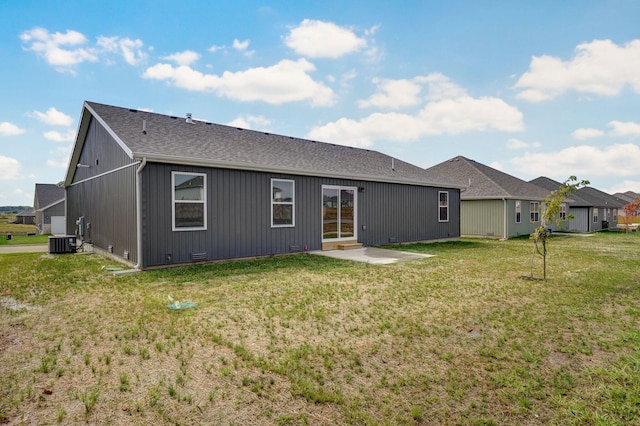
{"x": 12, "y": 304}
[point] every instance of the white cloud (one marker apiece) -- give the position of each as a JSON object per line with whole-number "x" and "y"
{"x": 59, "y": 49}
{"x": 9, "y": 168}
{"x": 53, "y": 117}
{"x": 448, "y": 116}
{"x": 68, "y": 136}
{"x": 619, "y": 128}
{"x": 441, "y": 87}
{"x": 131, "y": 50}
{"x": 624, "y": 186}
{"x": 248, "y": 121}
{"x": 586, "y": 133}
{"x": 59, "y": 157}
{"x": 514, "y": 143}
{"x": 10, "y": 129}
{"x": 393, "y": 94}
{"x": 240, "y": 45}
{"x": 66, "y": 50}
{"x": 496, "y": 165}
{"x": 215, "y": 48}
{"x": 583, "y": 161}
{"x": 286, "y": 81}
{"x": 600, "y": 67}
{"x": 319, "y": 39}
{"x": 183, "y": 58}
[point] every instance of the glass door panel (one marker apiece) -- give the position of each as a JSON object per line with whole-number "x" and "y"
{"x": 329, "y": 213}
{"x": 346, "y": 213}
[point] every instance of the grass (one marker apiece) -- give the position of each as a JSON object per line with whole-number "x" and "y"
{"x": 459, "y": 338}
{"x": 19, "y": 233}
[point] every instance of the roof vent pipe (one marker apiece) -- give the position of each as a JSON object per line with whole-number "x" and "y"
{"x": 144, "y": 127}
{"x": 189, "y": 119}
{"x": 393, "y": 164}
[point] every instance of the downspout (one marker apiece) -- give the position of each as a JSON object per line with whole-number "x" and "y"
{"x": 504, "y": 219}
{"x": 139, "y": 210}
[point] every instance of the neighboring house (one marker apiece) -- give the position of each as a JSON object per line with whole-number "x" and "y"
{"x": 49, "y": 205}
{"x": 593, "y": 210}
{"x": 603, "y": 209}
{"x": 626, "y": 198}
{"x": 154, "y": 189}
{"x": 495, "y": 204}
{"x": 26, "y": 217}
{"x": 577, "y": 207}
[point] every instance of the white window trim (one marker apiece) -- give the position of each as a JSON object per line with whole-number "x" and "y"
{"x": 562, "y": 215}
{"x": 288, "y": 203}
{"x": 446, "y": 206}
{"x": 518, "y": 210}
{"x": 203, "y": 202}
{"x": 532, "y": 211}
{"x": 596, "y": 213}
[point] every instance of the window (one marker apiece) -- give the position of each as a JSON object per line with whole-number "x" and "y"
{"x": 534, "y": 208}
{"x": 518, "y": 210}
{"x": 563, "y": 212}
{"x": 615, "y": 214}
{"x": 595, "y": 214}
{"x": 189, "y": 198}
{"x": 443, "y": 206}
{"x": 282, "y": 203}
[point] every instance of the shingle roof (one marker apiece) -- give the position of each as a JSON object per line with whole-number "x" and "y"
{"x": 486, "y": 182}
{"x": 47, "y": 194}
{"x": 628, "y": 196}
{"x": 598, "y": 198}
{"x": 551, "y": 185}
{"x": 172, "y": 139}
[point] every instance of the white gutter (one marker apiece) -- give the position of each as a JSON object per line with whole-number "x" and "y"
{"x": 139, "y": 210}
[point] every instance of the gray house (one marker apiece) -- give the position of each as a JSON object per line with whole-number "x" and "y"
{"x": 49, "y": 206}
{"x": 154, "y": 189}
{"x": 603, "y": 208}
{"x": 26, "y": 217}
{"x": 626, "y": 198}
{"x": 593, "y": 210}
{"x": 495, "y": 204}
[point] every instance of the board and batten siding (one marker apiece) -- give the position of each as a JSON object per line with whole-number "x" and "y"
{"x": 239, "y": 215}
{"x": 104, "y": 194}
{"x": 482, "y": 218}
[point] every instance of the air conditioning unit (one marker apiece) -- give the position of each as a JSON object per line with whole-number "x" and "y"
{"x": 62, "y": 244}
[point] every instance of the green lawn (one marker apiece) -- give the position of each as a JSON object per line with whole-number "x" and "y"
{"x": 460, "y": 338}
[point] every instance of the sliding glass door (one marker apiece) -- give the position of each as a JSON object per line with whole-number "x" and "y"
{"x": 338, "y": 213}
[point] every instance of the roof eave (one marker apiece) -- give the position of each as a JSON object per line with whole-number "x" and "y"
{"x": 188, "y": 161}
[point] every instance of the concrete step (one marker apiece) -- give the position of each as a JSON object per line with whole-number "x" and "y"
{"x": 349, "y": 246}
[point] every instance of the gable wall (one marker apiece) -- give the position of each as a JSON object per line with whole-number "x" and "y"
{"x": 106, "y": 198}
{"x": 239, "y": 215}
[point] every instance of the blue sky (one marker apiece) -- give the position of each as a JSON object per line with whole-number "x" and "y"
{"x": 530, "y": 87}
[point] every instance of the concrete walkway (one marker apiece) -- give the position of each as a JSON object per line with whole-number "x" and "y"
{"x": 376, "y": 256}
{"x": 24, "y": 248}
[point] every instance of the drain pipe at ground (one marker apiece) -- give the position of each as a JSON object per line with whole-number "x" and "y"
{"x": 504, "y": 214}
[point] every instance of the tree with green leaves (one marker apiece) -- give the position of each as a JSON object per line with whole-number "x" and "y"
{"x": 550, "y": 213}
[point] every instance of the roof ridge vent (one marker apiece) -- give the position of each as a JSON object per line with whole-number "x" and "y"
{"x": 189, "y": 119}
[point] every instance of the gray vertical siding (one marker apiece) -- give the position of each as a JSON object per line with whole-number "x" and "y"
{"x": 239, "y": 215}
{"x": 106, "y": 202}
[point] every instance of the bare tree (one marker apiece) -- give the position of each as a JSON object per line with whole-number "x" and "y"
{"x": 551, "y": 212}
